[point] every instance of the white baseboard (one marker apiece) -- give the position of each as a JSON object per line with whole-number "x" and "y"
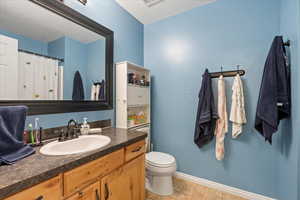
{"x": 221, "y": 187}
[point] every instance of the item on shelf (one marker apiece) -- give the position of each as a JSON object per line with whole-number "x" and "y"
{"x": 140, "y": 118}
{"x": 143, "y": 80}
{"x": 137, "y": 79}
{"x": 131, "y": 120}
{"x": 131, "y": 77}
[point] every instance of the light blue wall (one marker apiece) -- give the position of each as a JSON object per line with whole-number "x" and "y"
{"x": 95, "y": 64}
{"x": 128, "y": 45}
{"x": 57, "y": 48}
{"x": 288, "y": 143}
{"x": 75, "y": 60}
{"x": 177, "y": 50}
{"x": 28, "y": 44}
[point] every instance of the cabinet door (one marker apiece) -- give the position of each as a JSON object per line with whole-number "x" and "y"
{"x": 91, "y": 192}
{"x": 116, "y": 186}
{"x": 135, "y": 171}
{"x": 138, "y": 95}
{"x": 126, "y": 183}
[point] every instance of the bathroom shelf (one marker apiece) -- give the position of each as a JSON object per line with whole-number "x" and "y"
{"x": 135, "y": 85}
{"x": 132, "y": 100}
{"x": 139, "y": 125}
{"x": 137, "y": 106}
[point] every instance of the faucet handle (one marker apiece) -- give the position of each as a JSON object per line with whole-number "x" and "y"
{"x": 72, "y": 121}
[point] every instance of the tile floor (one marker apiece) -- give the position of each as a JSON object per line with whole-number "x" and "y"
{"x": 184, "y": 190}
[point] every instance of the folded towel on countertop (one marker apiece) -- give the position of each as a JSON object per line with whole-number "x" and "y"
{"x": 12, "y": 123}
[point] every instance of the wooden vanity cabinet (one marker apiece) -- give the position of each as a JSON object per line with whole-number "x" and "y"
{"x": 135, "y": 171}
{"x": 91, "y": 192}
{"x": 48, "y": 190}
{"x": 119, "y": 175}
{"x": 134, "y": 150}
{"x": 126, "y": 183}
{"x": 88, "y": 173}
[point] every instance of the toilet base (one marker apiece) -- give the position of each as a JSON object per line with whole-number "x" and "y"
{"x": 160, "y": 185}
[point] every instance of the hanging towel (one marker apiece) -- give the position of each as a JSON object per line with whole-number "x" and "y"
{"x": 206, "y": 114}
{"x": 222, "y": 122}
{"x": 102, "y": 91}
{"x": 237, "y": 114}
{"x": 97, "y": 92}
{"x": 274, "y": 98}
{"x": 93, "y": 92}
{"x": 12, "y": 123}
{"x": 78, "y": 90}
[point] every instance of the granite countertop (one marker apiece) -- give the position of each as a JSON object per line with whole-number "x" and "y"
{"x": 38, "y": 168}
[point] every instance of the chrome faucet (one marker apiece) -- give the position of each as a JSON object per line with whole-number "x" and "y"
{"x": 72, "y": 132}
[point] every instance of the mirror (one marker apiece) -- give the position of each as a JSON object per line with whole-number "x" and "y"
{"x": 53, "y": 59}
{"x": 44, "y": 56}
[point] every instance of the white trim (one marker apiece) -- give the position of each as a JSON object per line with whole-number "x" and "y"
{"x": 221, "y": 187}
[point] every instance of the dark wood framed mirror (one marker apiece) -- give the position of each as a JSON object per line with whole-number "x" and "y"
{"x": 39, "y": 28}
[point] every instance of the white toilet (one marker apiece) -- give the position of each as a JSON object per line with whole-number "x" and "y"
{"x": 160, "y": 168}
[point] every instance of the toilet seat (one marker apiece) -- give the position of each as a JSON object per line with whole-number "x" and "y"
{"x": 161, "y": 160}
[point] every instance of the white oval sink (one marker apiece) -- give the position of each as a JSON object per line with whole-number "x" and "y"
{"x": 82, "y": 144}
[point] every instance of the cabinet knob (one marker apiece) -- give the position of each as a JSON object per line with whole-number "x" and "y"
{"x": 106, "y": 192}
{"x": 136, "y": 149}
{"x": 40, "y": 198}
{"x": 97, "y": 195}
{"x": 80, "y": 194}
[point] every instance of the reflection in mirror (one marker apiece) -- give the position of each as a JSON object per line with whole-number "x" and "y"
{"x": 44, "y": 56}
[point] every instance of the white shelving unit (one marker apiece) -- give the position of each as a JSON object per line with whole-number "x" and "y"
{"x": 133, "y": 105}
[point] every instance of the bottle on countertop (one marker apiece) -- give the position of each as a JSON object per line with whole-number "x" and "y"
{"x": 85, "y": 127}
{"x": 31, "y": 135}
{"x": 25, "y": 137}
{"x": 37, "y": 129}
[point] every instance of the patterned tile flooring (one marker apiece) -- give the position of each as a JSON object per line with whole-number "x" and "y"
{"x": 184, "y": 190}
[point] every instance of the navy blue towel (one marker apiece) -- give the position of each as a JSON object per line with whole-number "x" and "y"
{"x": 78, "y": 90}
{"x": 102, "y": 91}
{"x": 274, "y": 101}
{"x": 12, "y": 123}
{"x": 206, "y": 114}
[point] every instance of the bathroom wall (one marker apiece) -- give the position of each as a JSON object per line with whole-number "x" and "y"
{"x": 288, "y": 142}
{"x": 96, "y": 64}
{"x": 128, "y": 45}
{"x": 177, "y": 51}
{"x": 28, "y": 44}
{"x": 75, "y": 60}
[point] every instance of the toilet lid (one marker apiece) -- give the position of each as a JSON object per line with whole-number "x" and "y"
{"x": 159, "y": 159}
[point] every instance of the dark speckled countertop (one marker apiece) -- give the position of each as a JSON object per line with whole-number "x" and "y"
{"x": 38, "y": 168}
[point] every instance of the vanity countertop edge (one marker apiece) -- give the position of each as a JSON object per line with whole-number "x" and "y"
{"x": 38, "y": 168}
